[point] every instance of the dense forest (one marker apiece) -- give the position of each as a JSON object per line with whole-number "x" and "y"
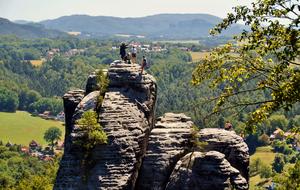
{"x": 21, "y": 171}
{"x": 37, "y": 88}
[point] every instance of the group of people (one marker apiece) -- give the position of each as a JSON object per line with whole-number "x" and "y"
{"x": 131, "y": 57}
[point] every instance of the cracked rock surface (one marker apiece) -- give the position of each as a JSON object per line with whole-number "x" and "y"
{"x": 168, "y": 142}
{"x": 203, "y": 171}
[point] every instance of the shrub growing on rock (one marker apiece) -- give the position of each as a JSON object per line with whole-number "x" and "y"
{"x": 93, "y": 132}
{"x": 103, "y": 82}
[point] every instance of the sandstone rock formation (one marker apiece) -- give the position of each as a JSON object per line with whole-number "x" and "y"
{"x": 168, "y": 142}
{"x": 91, "y": 84}
{"x": 201, "y": 171}
{"x": 141, "y": 154}
{"x": 127, "y": 116}
{"x": 71, "y": 99}
{"x": 231, "y": 145}
{"x": 169, "y": 145}
{"x": 70, "y": 170}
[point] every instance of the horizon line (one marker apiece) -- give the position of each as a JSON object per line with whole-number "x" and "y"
{"x": 127, "y": 17}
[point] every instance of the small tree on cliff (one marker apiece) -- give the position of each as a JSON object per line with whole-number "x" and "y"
{"x": 93, "y": 132}
{"x": 262, "y": 63}
{"x": 102, "y": 80}
{"x": 52, "y": 135}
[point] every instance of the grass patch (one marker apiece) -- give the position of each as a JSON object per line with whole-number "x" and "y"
{"x": 36, "y": 63}
{"x": 260, "y": 182}
{"x": 253, "y": 181}
{"x": 197, "y": 56}
{"x": 266, "y": 155}
{"x": 178, "y": 41}
{"x": 21, "y": 128}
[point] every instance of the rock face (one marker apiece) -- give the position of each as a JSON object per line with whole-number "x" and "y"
{"x": 169, "y": 146}
{"x": 201, "y": 171}
{"x": 70, "y": 171}
{"x": 127, "y": 116}
{"x": 142, "y": 155}
{"x": 91, "y": 84}
{"x": 231, "y": 145}
{"x": 168, "y": 142}
{"x": 71, "y": 99}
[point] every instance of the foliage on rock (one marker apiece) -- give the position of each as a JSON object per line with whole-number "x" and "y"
{"x": 196, "y": 144}
{"x": 93, "y": 132}
{"x": 103, "y": 82}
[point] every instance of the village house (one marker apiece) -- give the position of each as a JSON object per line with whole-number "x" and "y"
{"x": 45, "y": 115}
{"x": 60, "y": 116}
{"x": 59, "y": 145}
{"x": 73, "y": 52}
{"x": 157, "y": 48}
{"x": 135, "y": 44}
{"x": 184, "y": 49}
{"x": 9, "y": 144}
{"x": 36, "y": 154}
{"x": 277, "y": 134}
{"x": 33, "y": 145}
{"x": 25, "y": 149}
{"x": 51, "y": 53}
{"x": 46, "y": 158}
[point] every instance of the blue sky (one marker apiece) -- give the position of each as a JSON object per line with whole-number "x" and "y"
{"x": 36, "y": 10}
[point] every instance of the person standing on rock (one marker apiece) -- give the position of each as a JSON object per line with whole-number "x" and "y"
{"x": 228, "y": 126}
{"x": 133, "y": 54}
{"x": 123, "y": 47}
{"x": 128, "y": 58}
{"x": 144, "y": 63}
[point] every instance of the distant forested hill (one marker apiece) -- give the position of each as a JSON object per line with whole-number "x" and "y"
{"x": 167, "y": 26}
{"x": 28, "y": 30}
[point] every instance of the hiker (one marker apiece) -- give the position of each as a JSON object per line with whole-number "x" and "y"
{"x": 128, "y": 58}
{"x": 144, "y": 64}
{"x": 125, "y": 58}
{"x": 133, "y": 54}
{"x": 123, "y": 47}
{"x": 228, "y": 126}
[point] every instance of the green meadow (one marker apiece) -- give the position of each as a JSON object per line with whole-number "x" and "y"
{"x": 21, "y": 128}
{"x": 267, "y": 156}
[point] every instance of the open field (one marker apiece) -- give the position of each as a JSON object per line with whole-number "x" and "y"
{"x": 267, "y": 157}
{"x": 21, "y": 128}
{"x": 178, "y": 41}
{"x": 197, "y": 56}
{"x": 265, "y": 153}
{"x": 36, "y": 63}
